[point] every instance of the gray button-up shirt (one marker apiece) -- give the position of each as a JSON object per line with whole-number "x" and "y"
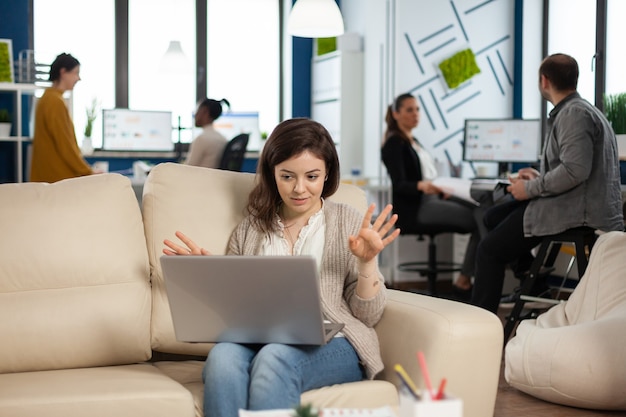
{"x": 579, "y": 183}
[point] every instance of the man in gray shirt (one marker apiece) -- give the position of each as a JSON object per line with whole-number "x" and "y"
{"x": 578, "y": 183}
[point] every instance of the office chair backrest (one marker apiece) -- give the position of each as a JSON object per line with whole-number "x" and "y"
{"x": 232, "y": 158}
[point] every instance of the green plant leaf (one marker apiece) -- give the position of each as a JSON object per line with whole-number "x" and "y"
{"x": 615, "y": 111}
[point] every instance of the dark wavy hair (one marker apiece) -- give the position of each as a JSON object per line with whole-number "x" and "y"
{"x": 65, "y": 61}
{"x": 392, "y": 124}
{"x": 561, "y": 70}
{"x": 290, "y": 138}
{"x": 214, "y": 107}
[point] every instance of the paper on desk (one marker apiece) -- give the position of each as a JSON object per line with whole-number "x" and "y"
{"x": 325, "y": 412}
{"x": 457, "y": 187}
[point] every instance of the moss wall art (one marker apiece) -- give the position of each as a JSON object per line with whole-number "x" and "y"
{"x": 459, "y": 68}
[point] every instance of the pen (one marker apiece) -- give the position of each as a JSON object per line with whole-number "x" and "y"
{"x": 407, "y": 381}
{"x": 442, "y": 386}
{"x": 425, "y": 374}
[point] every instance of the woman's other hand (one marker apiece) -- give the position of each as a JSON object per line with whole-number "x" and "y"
{"x": 427, "y": 187}
{"x": 189, "y": 247}
{"x": 373, "y": 238}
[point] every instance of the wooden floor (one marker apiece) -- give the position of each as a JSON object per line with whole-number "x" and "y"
{"x": 513, "y": 403}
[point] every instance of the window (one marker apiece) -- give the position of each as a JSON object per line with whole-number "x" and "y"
{"x": 152, "y": 84}
{"x": 615, "y": 57}
{"x": 243, "y": 57}
{"x": 572, "y": 31}
{"x": 91, "y": 40}
{"x": 242, "y": 54}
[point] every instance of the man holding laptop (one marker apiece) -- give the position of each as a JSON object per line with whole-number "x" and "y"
{"x": 288, "y": 215}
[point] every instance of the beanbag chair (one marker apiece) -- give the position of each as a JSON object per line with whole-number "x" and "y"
{"x": 575, "y": 353}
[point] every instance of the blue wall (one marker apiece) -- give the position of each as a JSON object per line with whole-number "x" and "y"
{"x": 14, "y": 24}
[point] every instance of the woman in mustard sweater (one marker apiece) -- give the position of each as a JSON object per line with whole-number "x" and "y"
{"x": 56, "y": 155}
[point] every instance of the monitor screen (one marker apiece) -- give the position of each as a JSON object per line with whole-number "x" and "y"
{"x": 502, "y": 140}
{"x": 232, "y": 124}
{"x": 136, "y": 130}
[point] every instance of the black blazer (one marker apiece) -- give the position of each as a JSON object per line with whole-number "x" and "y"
{"x": 404, "y": 169}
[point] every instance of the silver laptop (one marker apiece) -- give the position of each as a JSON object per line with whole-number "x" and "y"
{"x": 246, "y": 299}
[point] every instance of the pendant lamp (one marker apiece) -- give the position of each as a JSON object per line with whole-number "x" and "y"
{"x": 174, "y": 59}
{"x": 315, "y": 19}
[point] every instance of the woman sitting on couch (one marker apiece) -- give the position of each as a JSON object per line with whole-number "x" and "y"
{"x": 288, "y": 215}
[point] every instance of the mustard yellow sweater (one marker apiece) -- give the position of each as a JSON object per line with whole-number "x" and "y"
{"x": 56, "y": 155}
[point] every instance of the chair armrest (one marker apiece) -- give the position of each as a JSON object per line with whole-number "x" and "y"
{"x": 462, "y": 343}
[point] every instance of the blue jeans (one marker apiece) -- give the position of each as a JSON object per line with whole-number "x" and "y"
{"x": 273, "y": 376}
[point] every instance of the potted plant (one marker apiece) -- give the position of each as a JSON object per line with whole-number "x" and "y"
{"x": 92, "y": 113}
{"x": 615, "y": 111}
{"x": 5, "y": 123}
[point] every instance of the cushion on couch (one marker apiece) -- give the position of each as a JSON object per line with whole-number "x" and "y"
{"x": 204, "y": 204}
{"x": 66, "y": 296}
{"x": 575, "y": 353}
{"x": 120, "y": 391}
{"x": 363, "y": 394}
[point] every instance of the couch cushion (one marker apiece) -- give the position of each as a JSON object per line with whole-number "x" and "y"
{"x": 120, "y": 391}
{"x": 363, "y": 394}
{"x": 575, "y": 354}
{"x": 74, "y": 277}
{"x": 206, "y": 204}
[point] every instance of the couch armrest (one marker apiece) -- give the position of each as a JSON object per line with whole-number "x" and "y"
{"x": 462, "y": 343}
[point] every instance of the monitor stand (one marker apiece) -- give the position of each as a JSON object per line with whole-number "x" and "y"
{"x": 503, "y": 169}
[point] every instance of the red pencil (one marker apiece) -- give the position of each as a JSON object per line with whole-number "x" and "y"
{"x": 442, "y": 386}
{"x": 425, "y": 374}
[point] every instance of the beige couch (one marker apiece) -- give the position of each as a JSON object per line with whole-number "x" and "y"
{"x": 83, "y": 311}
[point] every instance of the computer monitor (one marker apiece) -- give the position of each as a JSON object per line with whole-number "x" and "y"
{"x": 137, "y": 130}
{"x": 232, "y": 124}
{"x": 502, "y": 140}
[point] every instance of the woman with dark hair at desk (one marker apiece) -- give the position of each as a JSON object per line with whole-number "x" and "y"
{"x": 416, "y": 200}
{"x": 207, "y": 148}
{"x": 56, "y": 155}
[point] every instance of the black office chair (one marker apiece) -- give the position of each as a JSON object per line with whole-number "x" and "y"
{"x": 232, "y": 158}
{"x": 432, "y": 267}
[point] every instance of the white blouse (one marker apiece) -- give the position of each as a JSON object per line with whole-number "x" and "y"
{"x": 310, "y": 241}
{"x": 429, "y": 170}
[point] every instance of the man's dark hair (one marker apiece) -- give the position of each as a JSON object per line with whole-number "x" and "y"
{"x": 561, "y": 70}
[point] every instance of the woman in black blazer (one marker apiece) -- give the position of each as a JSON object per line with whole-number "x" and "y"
{"x": 419, "y": 204}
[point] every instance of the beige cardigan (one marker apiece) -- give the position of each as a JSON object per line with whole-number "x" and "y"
{"x": 338, "y": 279}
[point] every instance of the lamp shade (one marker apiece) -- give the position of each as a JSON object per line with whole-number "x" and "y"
{"x": 315, "y": 19}
{"x": 174, "y": 59}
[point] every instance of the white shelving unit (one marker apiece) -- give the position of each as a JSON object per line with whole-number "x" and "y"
{"x": 337, "y": 103}
{"x": 18, "y": 90}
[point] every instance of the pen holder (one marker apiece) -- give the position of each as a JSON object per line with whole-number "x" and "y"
{"x": 448, "y": 406}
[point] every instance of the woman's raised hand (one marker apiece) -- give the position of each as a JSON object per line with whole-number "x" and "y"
{"x": 189, "y": 247}
{"x": 373, "y": 238}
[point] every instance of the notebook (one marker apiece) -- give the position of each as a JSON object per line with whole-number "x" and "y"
{"x": 246, "y": 299}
